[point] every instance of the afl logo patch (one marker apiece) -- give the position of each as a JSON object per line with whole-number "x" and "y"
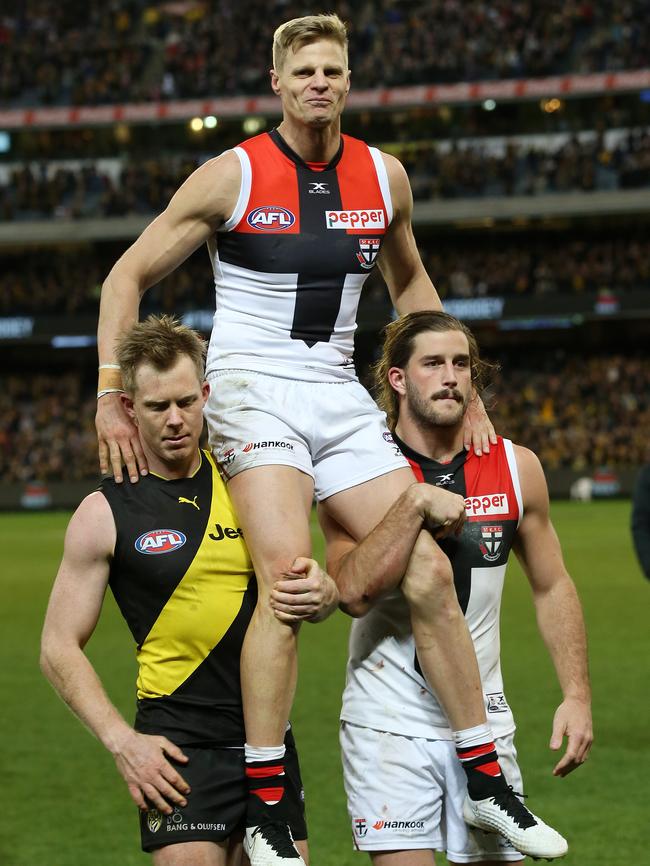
{"x": 270, "y": 218}
{"x": 160, "y": 541}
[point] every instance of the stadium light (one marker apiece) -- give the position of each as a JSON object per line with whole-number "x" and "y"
{"x": 489, "y": 104}
{"x": 551, "y": 105}
{"x": 196, "y": 124}
{"x": 252, "y": 125}
{"x": 210, "y": 121}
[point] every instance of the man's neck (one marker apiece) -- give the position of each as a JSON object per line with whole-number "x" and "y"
{"x": 437, "y": 443}
{"x": 172, "y": 471}
{"x": 312, "y": 144}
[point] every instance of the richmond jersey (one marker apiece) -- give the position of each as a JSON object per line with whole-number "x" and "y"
{"x": 184, "y": 582}
{"x": 290, "y": 262}
{"x": 385, "y": 688}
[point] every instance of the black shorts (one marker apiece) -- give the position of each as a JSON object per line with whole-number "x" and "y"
{"x": 216, "y": 804}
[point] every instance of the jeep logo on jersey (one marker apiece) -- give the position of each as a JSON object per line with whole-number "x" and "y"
{"x": 491, "y": 503}
{"x": 355, "y": 219}
{"x": 368, "y": 249}
{"x": 270, "y": 218}
{"x": 491, "y": 545}
{"x": 160, "y": 541}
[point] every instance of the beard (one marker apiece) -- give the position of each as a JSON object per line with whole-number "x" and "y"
{"x": 426, "y": 414}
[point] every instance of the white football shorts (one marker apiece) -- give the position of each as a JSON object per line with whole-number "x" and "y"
{"x": 332, "y": 431}
{"x": 407, "y": 793}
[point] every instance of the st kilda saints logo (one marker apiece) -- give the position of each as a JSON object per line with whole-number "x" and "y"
{"x": 368, "y": 251}
{"x": 490, "y": 545}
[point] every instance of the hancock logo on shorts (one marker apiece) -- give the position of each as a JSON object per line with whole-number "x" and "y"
{"x": 160, "y": 541}
{"x": 490, "y": 547}
{"x": 154, "y": 820}
{"x": 380, "y": 824}
{"x": 497, "y": 703}
{"x": 270, "y": 218}
{"x": 491, "y": 503}
{"x": 368, "y": 250}
{"x": 360, "y": 827}
{"x": 355, "y": 219}
{"x": 267, "y": 443}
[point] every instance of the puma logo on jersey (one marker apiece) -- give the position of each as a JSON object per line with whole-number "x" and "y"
{"x": 182, "y": 499}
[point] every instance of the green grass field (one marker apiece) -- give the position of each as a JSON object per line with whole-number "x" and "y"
{"x": 63, "y": 803}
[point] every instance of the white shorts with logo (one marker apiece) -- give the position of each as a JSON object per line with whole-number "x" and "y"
{"x": 407, "y": 793}
{"x": 332, "y": 431}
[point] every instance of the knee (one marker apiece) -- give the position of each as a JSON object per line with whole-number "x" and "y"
{"x": 429, "y": 579}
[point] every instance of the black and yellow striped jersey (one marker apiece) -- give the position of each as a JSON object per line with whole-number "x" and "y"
{"x": 183, "y": 579}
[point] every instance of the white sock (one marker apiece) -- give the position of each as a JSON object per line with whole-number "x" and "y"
{"x": 263, "y": 753}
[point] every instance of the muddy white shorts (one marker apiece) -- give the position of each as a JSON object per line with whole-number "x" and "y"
{"x": 332, "y": 431}
{"x": 407, "y": 793}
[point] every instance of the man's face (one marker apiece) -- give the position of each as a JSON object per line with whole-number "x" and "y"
{"x": 313, "y": 83}
{"x": 437, "y": 382}
{"x": 167, "y": 407}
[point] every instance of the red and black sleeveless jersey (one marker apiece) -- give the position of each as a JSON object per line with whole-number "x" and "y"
{"x": 183, "y": 580}
{"x": 490, "y": 487}
{"x": 385, "y": 688}
{"x": 290, "y": 262}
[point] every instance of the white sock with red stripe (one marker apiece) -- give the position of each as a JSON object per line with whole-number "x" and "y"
{"x": 477, "y": 753}
{"x": 265, "y": 775}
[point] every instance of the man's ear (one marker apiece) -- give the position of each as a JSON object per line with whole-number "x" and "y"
{"x": 127, "y": 402}
{"x": 397, "y": 380}
{"x": 275, "y": 82}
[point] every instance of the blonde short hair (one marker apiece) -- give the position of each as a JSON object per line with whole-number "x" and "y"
{"x": 302, "y": 31}
{"x": 159, "y": 341}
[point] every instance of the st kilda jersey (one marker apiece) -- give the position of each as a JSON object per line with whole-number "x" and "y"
{"x": 290, "y": 262}
{"x": 385, "y": 688}
{"x": 184, "y": 582}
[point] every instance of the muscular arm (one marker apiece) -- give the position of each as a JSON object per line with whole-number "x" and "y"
{"x": 409, "y": 284}
{"x": 73, "y": 611}
{"x": 641, "y": 520}
{"x": 198, "y": 208}
{"x": 367, "y": 570}
{"x": 559, "y": 614}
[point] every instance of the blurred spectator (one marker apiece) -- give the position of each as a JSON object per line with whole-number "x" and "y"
{"x": 67, "y": 280}
{"x": 72, "y": 52}
{"x": 578, "y": 414}
{"x": 436, "y": 172}
{"x": 641, "y": 519}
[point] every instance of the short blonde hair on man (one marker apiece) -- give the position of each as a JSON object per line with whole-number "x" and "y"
{"x": 293, "y": 34}
{"x": 159, "y": 341}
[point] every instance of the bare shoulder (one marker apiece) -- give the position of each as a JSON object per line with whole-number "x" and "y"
{"x": 531, "y": 477}
{"x": 91, "y": 532}
{"x": 211, "y": 191}
{"x": 396, "y": 172}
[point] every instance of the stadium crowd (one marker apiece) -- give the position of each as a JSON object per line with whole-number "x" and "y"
{"x": 576, "y": 413}
{"x": 67, "y": 280}
{"x": 73, "y": 53}
{"x": 437, "y": 171}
